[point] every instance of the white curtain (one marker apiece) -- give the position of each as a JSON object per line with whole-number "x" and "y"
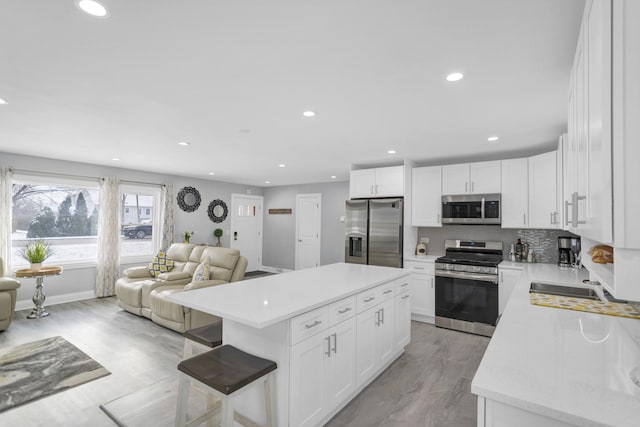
{"x": 6, "y": 182}
{"x": 108, "y": 237}
{"x": 167, "y": 216}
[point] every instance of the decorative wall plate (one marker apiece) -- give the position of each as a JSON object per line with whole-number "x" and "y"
{"x": 217, "y": 211}
{"x": 189, "y": 199}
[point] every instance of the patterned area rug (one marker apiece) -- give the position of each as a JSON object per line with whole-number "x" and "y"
{"x": 42, "y": 368}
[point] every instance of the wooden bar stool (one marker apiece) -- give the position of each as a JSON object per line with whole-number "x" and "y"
{"x": 224, "y": 372}
{"x": 204, "y": 338}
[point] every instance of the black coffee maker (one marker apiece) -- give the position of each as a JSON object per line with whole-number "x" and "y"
{"x": 569, "y": 252}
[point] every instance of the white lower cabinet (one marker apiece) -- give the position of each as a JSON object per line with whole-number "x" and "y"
{"x": 322, "y": 373}
{"x": 423, "y": 293}
{"x": 337, "y": 349}
{"x": 403, "y": 319}
{"x": 507, "y": 283}
{"x": 375, "y": 342}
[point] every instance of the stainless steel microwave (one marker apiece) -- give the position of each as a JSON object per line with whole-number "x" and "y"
{"x": 471, "y": 209}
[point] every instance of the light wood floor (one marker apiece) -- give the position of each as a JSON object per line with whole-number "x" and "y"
{"x": 428, "y": 386}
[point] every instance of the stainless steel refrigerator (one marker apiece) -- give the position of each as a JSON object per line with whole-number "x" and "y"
{"x": 373, "y": 231}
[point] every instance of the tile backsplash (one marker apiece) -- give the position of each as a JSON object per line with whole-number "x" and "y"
{"x": 543, "y": 242}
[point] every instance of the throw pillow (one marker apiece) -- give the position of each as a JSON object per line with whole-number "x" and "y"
{"x": 160, "y": 264}
{"x": 202, "y": 271}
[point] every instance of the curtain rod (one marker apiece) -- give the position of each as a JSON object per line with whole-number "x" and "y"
{"x": 64, "y": 175}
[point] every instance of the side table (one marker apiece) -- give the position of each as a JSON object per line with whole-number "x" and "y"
{"x": 39, "y": 296}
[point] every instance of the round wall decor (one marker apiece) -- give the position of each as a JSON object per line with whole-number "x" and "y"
{"x": 189, "y": 199}
{"x": 217, "y": 210}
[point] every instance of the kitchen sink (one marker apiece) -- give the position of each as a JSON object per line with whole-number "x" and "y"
{"x": 565, "y": 291}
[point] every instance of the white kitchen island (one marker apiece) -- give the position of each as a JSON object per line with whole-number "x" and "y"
{"x": 331, "y": 330}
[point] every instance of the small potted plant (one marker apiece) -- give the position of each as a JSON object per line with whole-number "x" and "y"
{"x": 218, "y": 234}
{"x": 187, "y": 235}
{"x": 36, "y": 252}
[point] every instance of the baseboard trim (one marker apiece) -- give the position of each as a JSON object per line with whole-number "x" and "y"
{"x": 274, "y": 269}
{"x": 57, "y": 299}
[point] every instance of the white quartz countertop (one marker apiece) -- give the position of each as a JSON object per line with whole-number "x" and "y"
{"x": 264, "y": 301}
{"x": 564, "y": 364}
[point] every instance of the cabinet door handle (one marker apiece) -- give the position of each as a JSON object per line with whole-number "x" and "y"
{"x": 405, "y": 297}
{"x": 377, "y": 189}
{"x": 369, "y": 299}
{"x": 388, "y": 291}
{"x": 524, "y": 219}
{"x": 501, "y": 277}
{"x": 335, "y": 342}
{"x": 472, "y": 185}
{"x": 328, "y": 353}
{"x": 566, "y": 212}
{"x": 382, "y": 310}
{"x": 438, "y": 218}
{"x": 432, "y": 280}
{"x": 313, "y": 325}
{"x": 406, "y": 283}
{"x": 417, "y": 268}
{"x": 371, "y": 189}
{"x": 343, "y": 311}
{"x": 378, "y": 318}
{"x": 466, "y": 184}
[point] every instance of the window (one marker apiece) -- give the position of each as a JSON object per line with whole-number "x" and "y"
{"x": 63, "y": 212}
{"x": 140, "y": 219}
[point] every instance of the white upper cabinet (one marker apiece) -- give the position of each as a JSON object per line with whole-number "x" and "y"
{"x": 426, "y": 196}
{"x": 377, "y": 182}
{"x": 484, "y": 177}
{"x": 543, "y": 202}
{"x": 589, "y": 204}
{"x": 471, "y": 178}
{"x": 515, "y": 191}
{"x": 455, "y": 179}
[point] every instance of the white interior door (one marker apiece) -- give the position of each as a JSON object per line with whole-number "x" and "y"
{"x": 246, "y": 228}
{"x": 307, "y": 230}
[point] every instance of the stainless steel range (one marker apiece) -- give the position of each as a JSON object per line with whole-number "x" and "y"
{"x": 467, "y": 286}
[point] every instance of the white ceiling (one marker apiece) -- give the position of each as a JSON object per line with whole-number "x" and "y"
{"x": 233, "y": 78}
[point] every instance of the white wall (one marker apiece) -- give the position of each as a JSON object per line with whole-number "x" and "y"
{"x": 280, "y": 230}
{"x": 76, "y": 282}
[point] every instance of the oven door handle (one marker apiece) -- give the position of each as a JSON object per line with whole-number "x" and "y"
{"x": 470, "y": 276}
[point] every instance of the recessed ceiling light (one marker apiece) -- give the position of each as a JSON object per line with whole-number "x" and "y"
{"x": 212, "y": 173}
{"x": 454, "y": 77}
{"x": 492, "y": 138}
{"x": 267, "y": 182}
{"x": 3, "y": 101}
{"x": 115, "y": 159}
{"x": 309, "y": 113}
{"x": 333, "y": 177}
{"x": 184, "y": 144}
{"x": 93, "y": 8}
{"x": 282, "y": 165}
{"x": 391, "y": 151}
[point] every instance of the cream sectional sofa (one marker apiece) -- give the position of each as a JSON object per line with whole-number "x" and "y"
{"x": 140, "y": 293}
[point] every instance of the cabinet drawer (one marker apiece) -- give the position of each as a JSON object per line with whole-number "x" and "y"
{"x": 387, "y": 291}
{"x": 342, "y": 310}
{"x": 418, "y": 267}
{"x": 368, "y": 298}
{"x": 403, "y": 285}
{"x": 308, "y": 324}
